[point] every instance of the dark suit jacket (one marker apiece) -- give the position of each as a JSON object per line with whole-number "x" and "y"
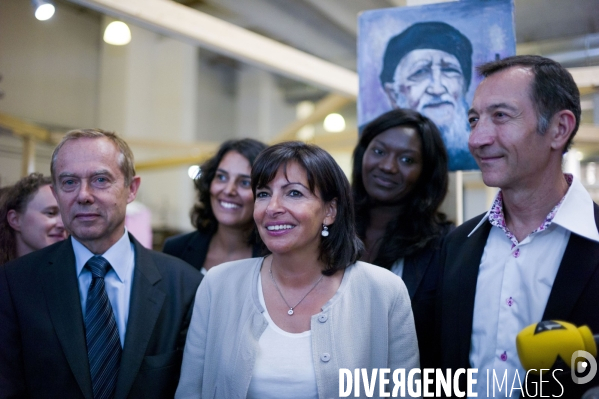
{"x": 43, "y": 351}
{"x": 193, "y": 248}
{"x": 574, "y": 297}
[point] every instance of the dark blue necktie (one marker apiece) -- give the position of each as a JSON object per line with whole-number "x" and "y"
{"x": 101, "y": 333}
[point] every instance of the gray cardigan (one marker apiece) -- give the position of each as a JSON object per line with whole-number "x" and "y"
{"x": 368, "y": 324}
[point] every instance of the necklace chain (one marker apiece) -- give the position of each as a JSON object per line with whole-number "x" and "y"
{"x": 290, "y": 311}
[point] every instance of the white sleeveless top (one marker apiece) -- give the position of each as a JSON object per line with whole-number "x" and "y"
{"x": 284, "y": 367}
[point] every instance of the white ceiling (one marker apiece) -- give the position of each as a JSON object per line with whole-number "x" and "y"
{"x": 328, "y": 28}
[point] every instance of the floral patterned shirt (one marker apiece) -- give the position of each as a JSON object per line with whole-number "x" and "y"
{"x": 497, "y": 218}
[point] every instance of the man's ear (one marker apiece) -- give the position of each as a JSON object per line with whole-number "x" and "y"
{"x": 12, "y": 217}
{"x": 331, "y": 212}
{"x": 133, "y": 187}
{"x": 391, "y": 94}
{"x": 561, "y": 128}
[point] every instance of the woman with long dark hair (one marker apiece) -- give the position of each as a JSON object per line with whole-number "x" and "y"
{"x": 225, "y": 229}
{"x": 399, "y": 182}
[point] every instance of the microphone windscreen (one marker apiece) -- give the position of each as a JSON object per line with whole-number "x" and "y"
{"x": 550, "y": 344}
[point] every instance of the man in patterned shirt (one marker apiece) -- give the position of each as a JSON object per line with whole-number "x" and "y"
{"x": 535, "y": 254}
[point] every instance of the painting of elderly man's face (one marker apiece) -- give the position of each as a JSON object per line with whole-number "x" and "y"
{"x": 430, "y": 82}
{"x": 424, "y": 58}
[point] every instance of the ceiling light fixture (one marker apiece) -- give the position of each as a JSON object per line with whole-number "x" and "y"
{"x": 334, "y": 123}
{"x": 117, "y": 33}
{"x": 44, "y": 9}
{"x": 194, "y": 171}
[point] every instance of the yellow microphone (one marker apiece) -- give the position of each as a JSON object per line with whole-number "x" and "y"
{"x": 551, "y": 343}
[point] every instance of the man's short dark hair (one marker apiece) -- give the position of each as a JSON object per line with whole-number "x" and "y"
{"x": 553, "y": 88}
{"x": 428, "y": 35}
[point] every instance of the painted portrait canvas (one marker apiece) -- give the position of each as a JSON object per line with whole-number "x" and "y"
{"x": 425, "y": 57}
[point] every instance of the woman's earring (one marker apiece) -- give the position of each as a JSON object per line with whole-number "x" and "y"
{"x": 325, "y": 231}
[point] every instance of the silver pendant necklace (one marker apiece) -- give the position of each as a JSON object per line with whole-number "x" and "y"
{"x": 290, "y": 311}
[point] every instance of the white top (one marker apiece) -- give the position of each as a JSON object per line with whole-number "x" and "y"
{"x": 284, "y": 367}
{"x": 228, "y": 321}
{"x": 397, "y": 267}
{"x": 513, "y": 286}
{"x": 118, "y": 280}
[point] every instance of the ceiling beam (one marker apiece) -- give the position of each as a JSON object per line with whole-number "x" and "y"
{"x": 203, "y": 30}
{"x": 342, "y": 141}
{"x": 161, "y": 163}
{"x": 587, "y": 134}
{"x": 25, "y": 129}
{"x": 330, "y": 103}
{"x": 586, "y": 78}
{"x": 188, "y": 146}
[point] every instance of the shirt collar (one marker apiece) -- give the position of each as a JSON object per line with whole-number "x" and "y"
{"x": 574, "y": 212}
{"x": 117, "y": 255}
{"x": 577, "y": 212}
{"x": 480, "y": 223}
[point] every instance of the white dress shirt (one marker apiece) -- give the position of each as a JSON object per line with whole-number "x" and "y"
{"x": 514, "y": 283}
{"x": 118, "y": 279}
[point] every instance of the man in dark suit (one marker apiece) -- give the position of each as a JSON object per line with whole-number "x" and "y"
{"x": 535, "y": 254}
{"x": 97, "y": 315}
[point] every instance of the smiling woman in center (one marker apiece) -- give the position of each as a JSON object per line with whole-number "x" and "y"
{"x": 283, "y": 325}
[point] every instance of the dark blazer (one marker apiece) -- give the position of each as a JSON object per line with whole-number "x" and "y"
{"x": 43, "y": 350}
{"x": 574, "y": 296}
{"x": 193, "y": 248}
{"x": 421, "y": 276}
